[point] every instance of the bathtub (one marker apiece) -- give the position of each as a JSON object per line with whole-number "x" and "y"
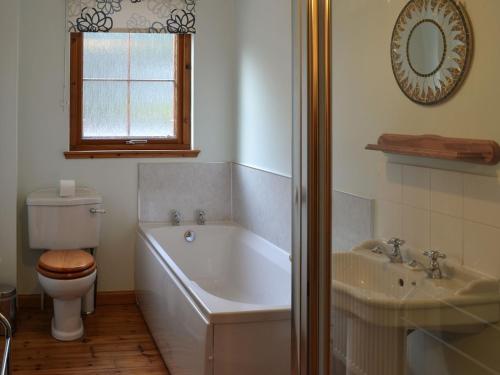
{"x": 219, "y": 305}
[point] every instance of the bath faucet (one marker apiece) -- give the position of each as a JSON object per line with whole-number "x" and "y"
{"x": 201, "y": 217}
{"x": 395, "y": 255}
{"x": 434, "y": 270}
{"x": 175, "y": 217}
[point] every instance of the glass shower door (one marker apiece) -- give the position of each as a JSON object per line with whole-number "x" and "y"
{"x": 415, "y": 252}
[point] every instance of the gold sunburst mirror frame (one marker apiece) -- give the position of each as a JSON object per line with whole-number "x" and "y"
{"x": 431, "y": 48}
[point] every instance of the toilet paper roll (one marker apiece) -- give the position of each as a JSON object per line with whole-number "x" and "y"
{"x": 67, "y": 188}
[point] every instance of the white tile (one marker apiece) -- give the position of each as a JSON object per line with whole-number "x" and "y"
{"x": 389, "y": 182}
{"x": 482, "y": 199}
{"x": 352, "y": 220}
{"x": 262, "y": 203}
{"x": 416, "y": 228}
{"x": 387, "y": 220}
{"x": 416, "y": 187}
{"x": 447, "y": 192}
{"x": 447, "y": 235}
{"x": 482, "y": 248}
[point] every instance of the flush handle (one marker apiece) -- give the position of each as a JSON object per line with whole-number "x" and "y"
{"x": 95, "y": 211}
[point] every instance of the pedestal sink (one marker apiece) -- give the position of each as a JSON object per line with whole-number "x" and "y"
{"x": 376, "y": 303}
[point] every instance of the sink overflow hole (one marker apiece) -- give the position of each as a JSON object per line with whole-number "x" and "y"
{"x": 401, "y": 282}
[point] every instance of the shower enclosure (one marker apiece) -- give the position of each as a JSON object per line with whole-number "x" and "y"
{"x": 415, "y": 272}
{"x": 409, "y": 283}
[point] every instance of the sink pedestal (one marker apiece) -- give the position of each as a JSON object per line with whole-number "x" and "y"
{"x": 375, "y": 350}
{"x": 375, "y": 302}
{"x": 368, "y": 349}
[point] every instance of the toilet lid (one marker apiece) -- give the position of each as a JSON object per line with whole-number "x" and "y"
{"x": 66, "y": 264}
{"x": 66, "y": 260}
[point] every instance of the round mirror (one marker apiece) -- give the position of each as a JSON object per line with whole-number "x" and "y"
{"x": 430, "y": 49}
{"x": 426, "y": 46}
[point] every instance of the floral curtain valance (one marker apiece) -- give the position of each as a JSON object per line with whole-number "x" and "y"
{"x": 146, "y": 16}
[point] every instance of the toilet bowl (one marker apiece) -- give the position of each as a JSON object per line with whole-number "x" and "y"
{"x": 65, "y": 225}
{"x": 66, "y": 276}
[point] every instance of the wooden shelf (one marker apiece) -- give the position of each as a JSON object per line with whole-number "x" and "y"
{"x": 437, "y": 147}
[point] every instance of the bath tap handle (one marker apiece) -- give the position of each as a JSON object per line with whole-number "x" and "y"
{"x": 202, "y": 214}
{"x": 175, "y": 216}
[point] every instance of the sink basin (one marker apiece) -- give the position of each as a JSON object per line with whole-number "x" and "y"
{"x": 366, "y": 285}
{"x": 376, "y": 304}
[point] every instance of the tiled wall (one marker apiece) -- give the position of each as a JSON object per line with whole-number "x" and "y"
{"x": 262, "y": 202}
{"x": 456, "y": 213}
{"x": 352, "y": 220}
{"x": 257, "y": 200}
{"x": 186, "y": 187}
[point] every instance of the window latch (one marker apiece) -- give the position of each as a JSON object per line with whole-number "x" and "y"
{"x": 136, "y": 141}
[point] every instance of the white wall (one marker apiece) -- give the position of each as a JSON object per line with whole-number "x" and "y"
{"x": 368, "y": 102}
{"x": 457, "y": 210}
{"x": 263, "y": 84}
{"x": 43, "y": 129}
{"x": 9, "y": 31}
{"x": 258, "y": 101}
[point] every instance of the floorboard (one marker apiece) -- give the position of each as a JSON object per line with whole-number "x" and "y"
{"x": 116, "y": 342}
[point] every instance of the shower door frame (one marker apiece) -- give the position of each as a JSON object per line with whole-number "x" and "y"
{"x": 312, "y": 187}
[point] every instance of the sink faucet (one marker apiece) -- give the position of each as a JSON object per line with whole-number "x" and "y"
{"x": 175, "y": 217}
{"x": 395, "y": 255}
{"x": 201, "y": 217}
{"x": 434, "y": 270}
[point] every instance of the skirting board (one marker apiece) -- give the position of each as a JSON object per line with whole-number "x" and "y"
{"x": 103, "y": 299}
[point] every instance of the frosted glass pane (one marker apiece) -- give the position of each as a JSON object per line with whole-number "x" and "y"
{"x": 151, "y": 56}
{"x": 151, "y": 109}
{"x": 105, "y": 56}
{"x": 105, "y": 109}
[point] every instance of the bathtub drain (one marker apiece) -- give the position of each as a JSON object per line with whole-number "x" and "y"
{"x": 189, "y": 236}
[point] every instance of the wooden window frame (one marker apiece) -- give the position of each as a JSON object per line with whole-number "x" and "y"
{"x": 97, "y": 148}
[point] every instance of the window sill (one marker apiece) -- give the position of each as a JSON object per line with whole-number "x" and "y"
{"x": 131, "y": 154}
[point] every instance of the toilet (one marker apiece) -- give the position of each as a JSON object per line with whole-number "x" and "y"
{"x": 64, "y": 227}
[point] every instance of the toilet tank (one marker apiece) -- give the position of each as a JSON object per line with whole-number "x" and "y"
{"x": 55, "y": 222}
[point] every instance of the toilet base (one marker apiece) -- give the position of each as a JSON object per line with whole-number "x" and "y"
{"x": 67, "y": 324}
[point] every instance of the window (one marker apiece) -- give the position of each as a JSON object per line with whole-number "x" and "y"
{"x": 130, "y": 93}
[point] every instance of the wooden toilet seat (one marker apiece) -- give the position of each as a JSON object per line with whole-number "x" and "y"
{"x": 66, "y": 264}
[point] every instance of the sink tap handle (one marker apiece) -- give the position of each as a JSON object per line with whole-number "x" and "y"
{"x": 434, "y": 255}
{"x": 434, "y": 270}
{"x": 396, "y": 242}
{"x": 395, "y": 255}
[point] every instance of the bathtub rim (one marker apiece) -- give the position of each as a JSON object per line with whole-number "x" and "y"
{"x": 246, "y": 313}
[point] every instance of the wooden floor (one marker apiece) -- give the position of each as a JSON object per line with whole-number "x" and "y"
{"x": 116, "y": 341}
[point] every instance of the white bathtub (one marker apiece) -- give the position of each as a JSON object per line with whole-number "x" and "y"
{"x": 217, "y": 306}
